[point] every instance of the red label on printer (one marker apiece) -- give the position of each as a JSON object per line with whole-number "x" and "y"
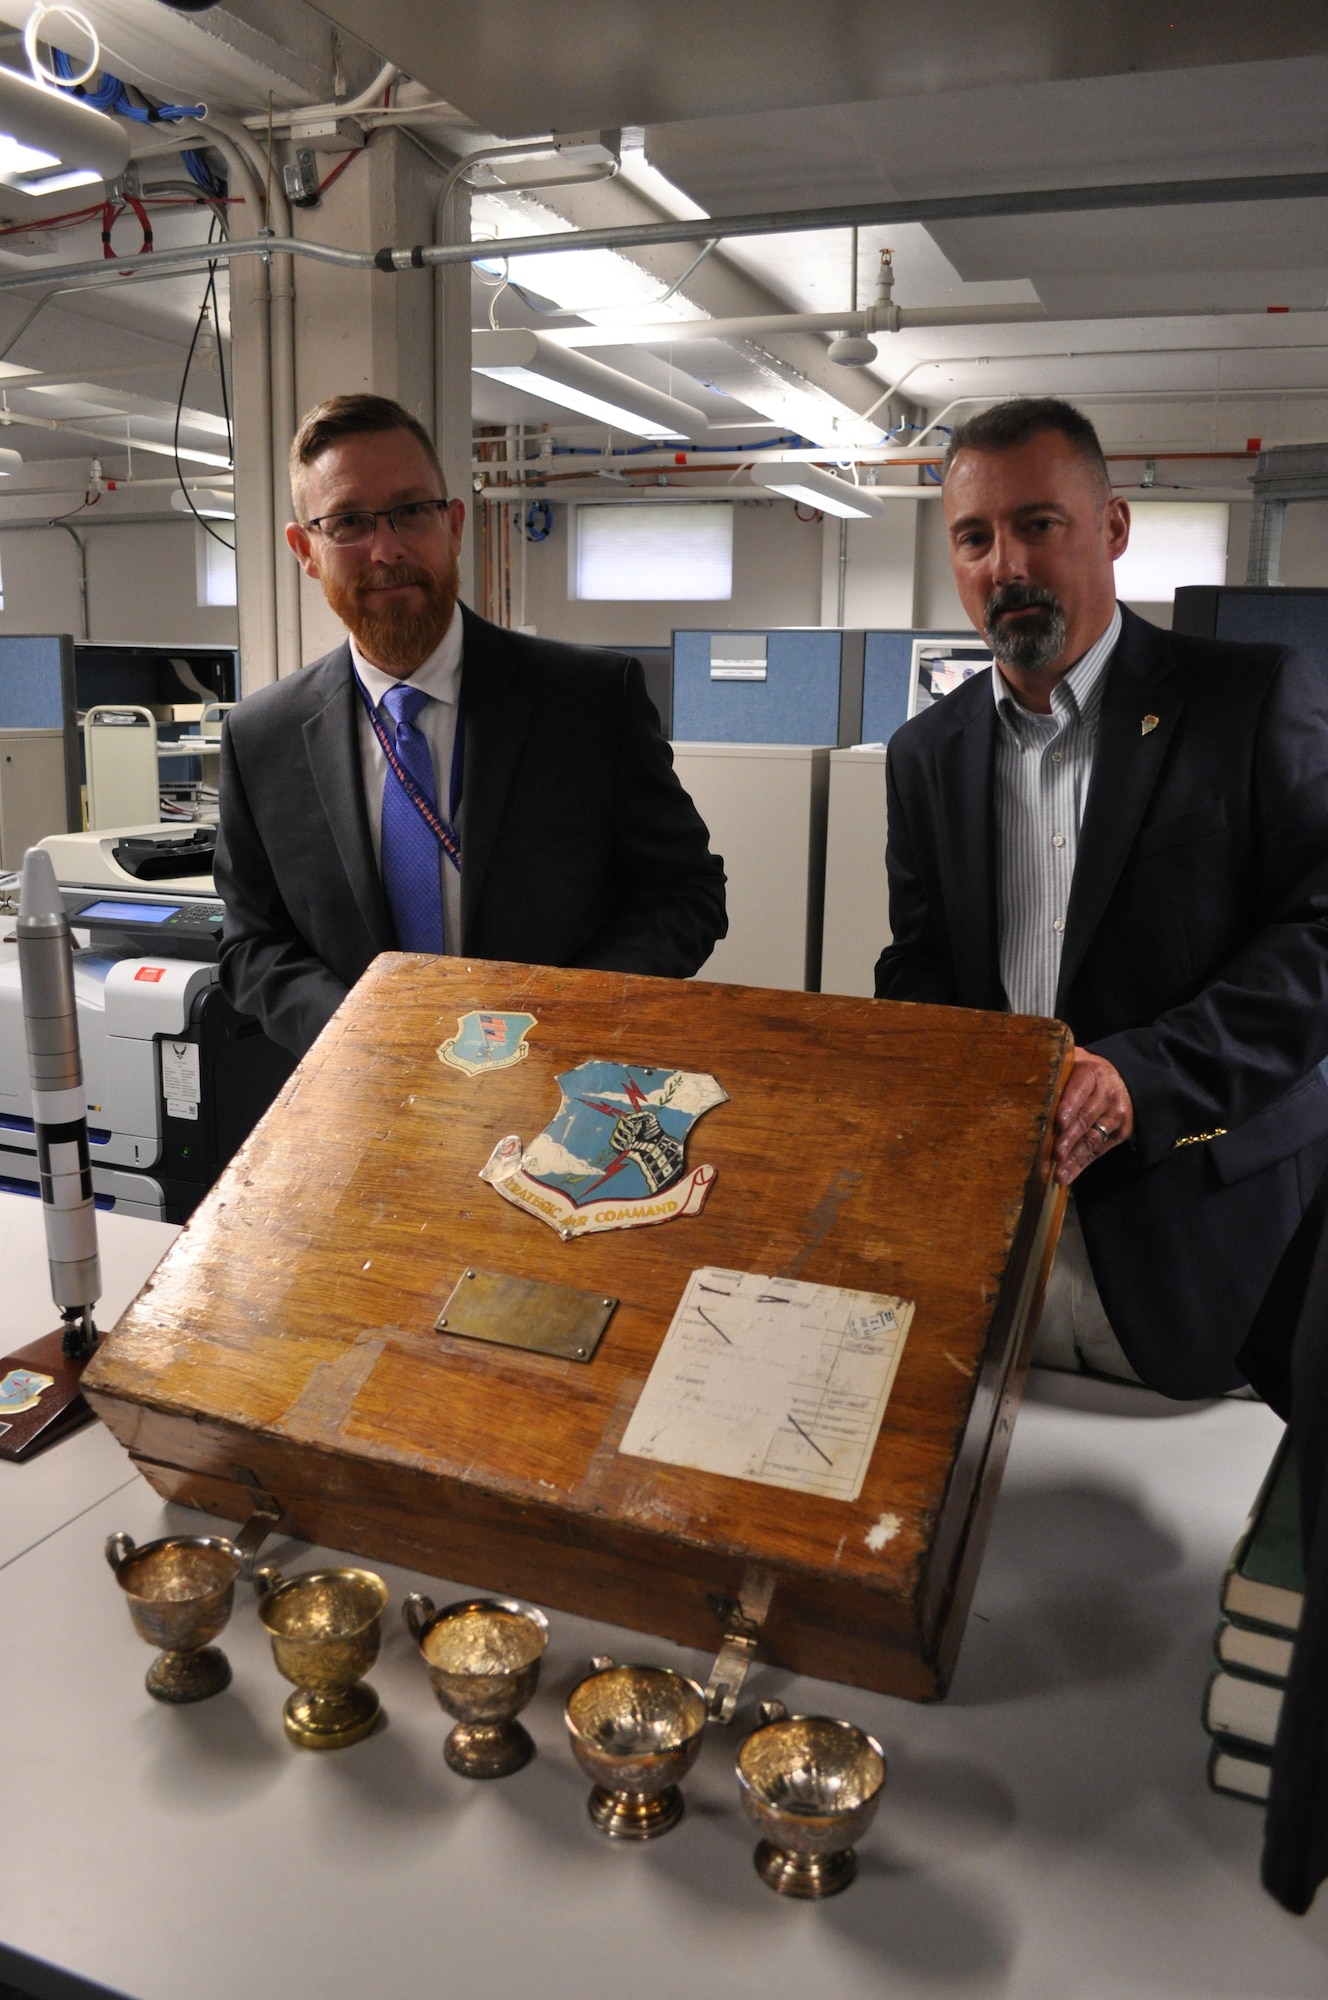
{"x": 151, "y": 972}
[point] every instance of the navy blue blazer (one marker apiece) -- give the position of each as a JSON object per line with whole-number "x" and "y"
{"x": 579, "y": 845}
{"x": 1195, "y": 959}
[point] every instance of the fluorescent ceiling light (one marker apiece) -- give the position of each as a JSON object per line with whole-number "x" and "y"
{"x": 577, "y": 382}
{"x": 207, "y": 501}
{"x": 821, "y": 490}
{"x": 597, "y": 285}
{"x": 49, "y": 142}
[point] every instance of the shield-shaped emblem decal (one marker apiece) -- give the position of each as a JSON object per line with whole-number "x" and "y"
{"x": 613, "y": 1157}
{"x": 487, "y": 1041}
{"x": 21, "y": 1389}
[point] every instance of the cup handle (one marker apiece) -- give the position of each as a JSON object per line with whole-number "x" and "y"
{"x": 119, "y": 1548}
{"x": 601, "y": 1662}
{"x": 266, "y": 1580}
{"x": 772, "y": 1711}
{"x": 416, "y": 1611}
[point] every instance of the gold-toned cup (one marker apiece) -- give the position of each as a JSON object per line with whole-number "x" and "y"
{"x": 179, "y": 1591}
{"x": 483, "y": 1657}
{"x": 324, "y": 1630}
{"x": 636, "y": 1731}
{"x": 812, "y": 1785}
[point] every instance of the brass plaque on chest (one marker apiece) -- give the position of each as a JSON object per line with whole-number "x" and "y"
{"x": 526, "y": 1312}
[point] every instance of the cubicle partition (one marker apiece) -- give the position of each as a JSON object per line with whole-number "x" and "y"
{"x": 39, "y": 756}
{"x": 773, "y": 733}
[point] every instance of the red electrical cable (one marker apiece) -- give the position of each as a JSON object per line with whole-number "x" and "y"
{"x": 339, "y": 169}
{"x": 146, "y": 245}
{"x": 111, "y": 213}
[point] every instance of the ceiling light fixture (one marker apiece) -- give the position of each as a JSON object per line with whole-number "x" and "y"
{"x": 49, "y": 142}
{"x": 565, "y": 376}
{"x": 208, "y": 501}
{"x": 820, "y": 490}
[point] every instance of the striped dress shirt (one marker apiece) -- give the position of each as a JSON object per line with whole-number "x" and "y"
{"x": 1043, "y": 765}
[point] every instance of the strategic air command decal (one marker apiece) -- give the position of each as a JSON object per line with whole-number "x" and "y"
{"x": 21, "y": 1390}
{"x": 613, "y": 1157}
{"x": 485, "y": 1042}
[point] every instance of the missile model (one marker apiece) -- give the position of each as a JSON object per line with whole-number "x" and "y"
{"x": 59, "y": 1102}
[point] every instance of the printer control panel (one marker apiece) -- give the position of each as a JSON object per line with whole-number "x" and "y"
{"x": 169, "y": 925}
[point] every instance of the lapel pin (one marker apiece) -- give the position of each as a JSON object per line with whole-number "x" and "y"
{"x": 1148, "y": 725}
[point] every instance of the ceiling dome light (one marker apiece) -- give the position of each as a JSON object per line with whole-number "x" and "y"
{"x": 852, "y": 350}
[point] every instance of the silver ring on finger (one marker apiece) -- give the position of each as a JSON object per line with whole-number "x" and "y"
{"x": 1107, "y": 1136}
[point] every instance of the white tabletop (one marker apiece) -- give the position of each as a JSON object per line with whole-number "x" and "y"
{"x": 61, "y": 1482}
{"x": 1046, "y": 1832}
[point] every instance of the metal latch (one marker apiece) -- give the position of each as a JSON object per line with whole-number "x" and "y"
{"x": 742, "y": 1620}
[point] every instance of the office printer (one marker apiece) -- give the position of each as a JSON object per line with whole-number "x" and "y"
{"x": 176, "y": 1078}
{"x": 169, "y": 856}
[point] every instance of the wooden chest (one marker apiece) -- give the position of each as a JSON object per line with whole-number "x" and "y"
{"x": 286, "y": 1345}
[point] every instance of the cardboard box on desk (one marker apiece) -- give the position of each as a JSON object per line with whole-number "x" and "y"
{"x": 287, "y": 1343}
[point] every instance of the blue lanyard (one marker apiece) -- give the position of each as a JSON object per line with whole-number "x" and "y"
{"x": 443, "y": 830}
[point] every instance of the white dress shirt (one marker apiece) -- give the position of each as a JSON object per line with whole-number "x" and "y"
{"x": 1043, "y": 765}
{"x": 440, "y": 678}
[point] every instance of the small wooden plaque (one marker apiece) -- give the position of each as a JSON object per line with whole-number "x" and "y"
{"x": 287, "y": 1341}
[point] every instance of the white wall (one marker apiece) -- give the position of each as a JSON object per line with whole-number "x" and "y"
{"x": 142, "y": 584}
{"x": 880, "y": 577}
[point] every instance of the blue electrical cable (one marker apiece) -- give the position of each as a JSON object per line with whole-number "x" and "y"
{"x": 110, "y": 95}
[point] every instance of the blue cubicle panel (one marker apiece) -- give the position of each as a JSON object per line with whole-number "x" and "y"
{"x": 887, "y": 665}
{"x": 36, "y": 684}
{"x": 798, "y": 701}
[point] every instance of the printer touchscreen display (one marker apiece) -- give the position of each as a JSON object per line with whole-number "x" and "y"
{"x": 127, "y": 913}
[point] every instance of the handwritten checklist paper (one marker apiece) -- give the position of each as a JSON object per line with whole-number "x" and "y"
{"x": 772, "y": 1380}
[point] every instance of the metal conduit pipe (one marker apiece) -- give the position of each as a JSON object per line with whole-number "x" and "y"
{"x": 346, "y": 107}
{"x": 950, "y": 208}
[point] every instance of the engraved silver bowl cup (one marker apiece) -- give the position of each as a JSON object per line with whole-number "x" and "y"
{"x": 636, "y": 1731}
{"x": 179, "y": 1592}
{"x": 483, "y": 1657}
{"x": 812, "y": 1786}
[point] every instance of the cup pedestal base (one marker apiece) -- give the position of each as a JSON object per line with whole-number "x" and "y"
{"x": 488, "y": 1749}
{"x": 178, "y": 1677}
{"x": 635, "y": 1815}
{"x": 331, "y": 1722}
{"x": 799, "y": 1875}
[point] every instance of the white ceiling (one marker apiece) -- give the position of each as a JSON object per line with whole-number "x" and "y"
{"x": 1159, "y": 311}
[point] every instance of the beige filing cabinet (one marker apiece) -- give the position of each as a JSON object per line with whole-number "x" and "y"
{"x": 764, "y": 804}
{"x": 857, "y": 921}
{"x": 32, "y": 790}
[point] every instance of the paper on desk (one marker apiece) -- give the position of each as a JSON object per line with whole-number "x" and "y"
{"x": 773, "y": 1380}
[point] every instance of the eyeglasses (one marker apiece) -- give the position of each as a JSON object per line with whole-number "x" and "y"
{"x": 411, "y": 520}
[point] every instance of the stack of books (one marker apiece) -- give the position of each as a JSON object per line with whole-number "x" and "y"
{"x": 1263, "y": 1594}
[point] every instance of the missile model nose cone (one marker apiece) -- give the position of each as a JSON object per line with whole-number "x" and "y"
{"x": 39, "y": 897}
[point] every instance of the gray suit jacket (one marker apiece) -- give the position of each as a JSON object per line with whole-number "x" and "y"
{"x": 579, "y": 846}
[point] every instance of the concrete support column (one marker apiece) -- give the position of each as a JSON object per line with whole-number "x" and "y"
{"x": 379, "y": 331}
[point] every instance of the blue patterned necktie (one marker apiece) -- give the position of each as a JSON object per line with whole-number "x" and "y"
{"x": 410, "y": 852}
